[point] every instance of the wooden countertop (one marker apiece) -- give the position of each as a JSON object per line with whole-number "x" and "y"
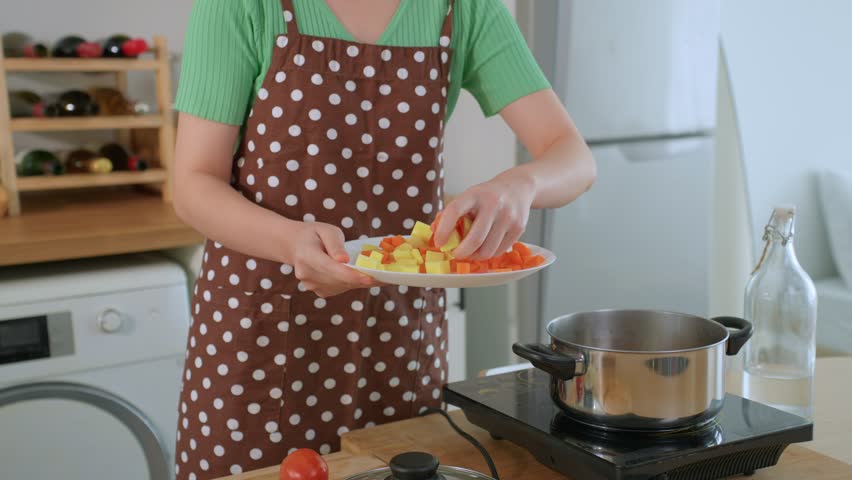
{"x": 90, "y": 223}
{"x": 823, "y": 459}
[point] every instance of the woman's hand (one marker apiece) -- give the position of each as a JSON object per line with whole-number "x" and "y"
{"x": 500, "y": 209}
{"x": 318, "y": 257}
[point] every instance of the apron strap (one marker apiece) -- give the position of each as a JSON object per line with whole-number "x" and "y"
{"x": 447, "y": 28}
{"x": 289, "y": 12}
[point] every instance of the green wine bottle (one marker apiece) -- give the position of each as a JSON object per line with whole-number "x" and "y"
{"x": 121, "y": 160}
{"x": 25, "y": 103}
{"x": 87, "y": 161}
{"x": 16, "y": 44}
{"x": 38, "y": 162}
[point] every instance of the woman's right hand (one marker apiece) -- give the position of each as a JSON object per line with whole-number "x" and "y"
{"x": 318, "y": 257}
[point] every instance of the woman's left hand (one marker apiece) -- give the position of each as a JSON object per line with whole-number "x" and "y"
{"x": 500, "y": 209}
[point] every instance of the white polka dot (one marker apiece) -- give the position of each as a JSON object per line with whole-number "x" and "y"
{"x": 407, "y": 396}
{"x": 299, "y": 352}
{"x": 397, "y": 174}
{"x": 380, "y": 367}
{"x": 401, "y": 141}
{"x": 258, "y": 375}
{"x": 350, "y": 85}
{"x": 275, "y": 393}
{"x": 444, "y": 57}
{"x": 320, "y": 303}
{"x": 357, "y": 306}
{"x": 336, "y": 319}
{"x": 262, "y": 341}
{"x": 235, "y": 469}
{"x": 297, "y": 386}
{"x": 430, "y": 175}
{"x": 313, "y": 367}
{"x": 334, "y": 65}
{"x": 430, "y": 350}
{"x": 346, "y": 153}
{"x": 280, "y": 359}
{"x": 433, "y": 142}
{"x": 350, "y": 119}
{"x": 371, "y": 322}
{"x": 282, "y": 40}
{"x": 352, "y": 336}
{"x": 403, "y": 107}
{"x": 274, "y": 147}
{"x": 211, "y": 349}
{"x": 384, "y": 123}
{"x": 419, "y": 56}
{"x": 331, "y": 134}
{"x": 346, "y": 222}
{"x": 296, "y": 95}
{"x": 250, "y": 179}
{"x": 275, "y": 437}
{"x": 266, "y": 308}
{"x": 416, "y": 158}
{"x": 375, "y": 396}
{"x": 433, "y": 74}
{"x": 415, "y": 335}
{"x": 286, "y": 269}
{"x": 369, "y": 71}
{"x": 295, "y": 419}
{"x": 349, "y": 368}
{"x": 377, "y": 222}
{"x": 389, "y": 306}
{"x": 310, "y": 434}
{"x": 346, "y": 399}
{"x": 412, "y": 191}
{"x": 263, "y": 94}
{"x": 385, "y": 89}
{"x": 402, "y": 73}
{"x": 333, "y": 351}
{"x": 255, "y": 454}
{"x": 233, "y": 424}
{"x": 313, "y": 150}
{"x": 311, "y": 400}
{"x": 329, "y": 383}
{"x": 399, "y": 352}
{"x": 288, "y": 16}
{"x": 233, "y": 302}
{"x": 352, "y": 50}
{"x": 420, "y": 90}
{"x": 272, "y": 182}
{"x": 386, "y": 55}
{"x": 291, "y": 200}
{"x": 318, "y": 45}
{"x": 280, "y": 77}
{"x": 237, "y": 390}
{"x": 261, "y": 128}
{"x": 334, "y": 99}
{"x": 436, "y": 108}
{"x": 389, "y": 411}
{"x": 301, "y": 319}
{"x": 378, "y": 189}
{"x": 358, "y": 413}
{"x": 299, "y": 59}
{"x": 346, "y": 187}
{"x": 418, "y": 303}
{"x": 366, "y": 139}
{"x": 219, "y": 450}
{"x": 314, "y": 114}
{"x": 366, "y": 105}
{"x": 311, "y": 184}
{"x": 385, "y": 337}
{"x": 222, "y": 369}
{"x": 445, "y": 41}
{"x": 258, "y": 197}
{"x": 393, "y": 206}
{"x": 292, "y": 165}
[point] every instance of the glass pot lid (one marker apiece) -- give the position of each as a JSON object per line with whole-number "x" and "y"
{"x": 419, "y": 466}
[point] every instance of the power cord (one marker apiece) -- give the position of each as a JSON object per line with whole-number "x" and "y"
{"x": 467, "y": 437}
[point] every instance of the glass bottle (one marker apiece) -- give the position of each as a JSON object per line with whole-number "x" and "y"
{"x": 781, "y": 303}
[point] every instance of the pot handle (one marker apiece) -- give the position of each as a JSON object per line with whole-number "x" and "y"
{"x": 737, "y": 339}
{"x": 542, "y": 357}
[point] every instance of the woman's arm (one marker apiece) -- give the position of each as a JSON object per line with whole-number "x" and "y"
{"x": 563, "y": 168}
{"x": 204, "y": 199}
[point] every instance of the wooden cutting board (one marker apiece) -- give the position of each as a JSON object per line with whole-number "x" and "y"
{"x": 432, "y": 434}
{"x": 341, "y": 465}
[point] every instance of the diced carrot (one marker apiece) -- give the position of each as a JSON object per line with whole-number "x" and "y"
{"x": 462, "y": 267}
{"x": 388, "y": 259}
{"x": 387, "y": 245}
{"x": 500, "y": 270}
{"x": 453, "y": 265}
{"x": 366, "y": 253}
{"x": 533, "y": 261}
{"x": 515, "y": 258}
{"x": 523, "y": 250}
{"x": 494, "y": 262}
{"x": 397, "y": 240}
{"x": 516, "y": 267}
{"x": 423, "y": 251}
{"x": 422, "y": 268}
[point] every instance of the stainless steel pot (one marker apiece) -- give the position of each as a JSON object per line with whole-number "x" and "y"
{"x": 638, "y": 369}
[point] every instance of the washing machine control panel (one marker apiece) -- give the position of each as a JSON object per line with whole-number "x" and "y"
{"x": 35, "y": 337}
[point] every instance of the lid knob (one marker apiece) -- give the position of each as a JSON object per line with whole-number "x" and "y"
{"x": 414, "y": 466}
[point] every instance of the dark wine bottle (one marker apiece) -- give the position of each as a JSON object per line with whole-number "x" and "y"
{"x": 16, "y": 44}
{"x": 111, "y": 101}
{"x": 38, "y": 162}
{"x": 121, "y": 160}
{"x": 87, "y": 161}
{"x": 73, "y": 103}
{"x": 25, "y": 103}
{"x": 122, "y": 46}
{"x": 75, "y": 46}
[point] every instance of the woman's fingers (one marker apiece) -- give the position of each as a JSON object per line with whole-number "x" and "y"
{"x": 512, "y": 235}
{"x": 332, "y": 240}
{"x": 450, "y": 215}
{"x": 482, "y": 225}
{"x": 493, "y": 240}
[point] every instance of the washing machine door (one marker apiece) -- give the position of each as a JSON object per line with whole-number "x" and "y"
{"x": 73, "y": 431}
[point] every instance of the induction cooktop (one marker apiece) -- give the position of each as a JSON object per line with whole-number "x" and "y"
{"x": 744, "y": 437}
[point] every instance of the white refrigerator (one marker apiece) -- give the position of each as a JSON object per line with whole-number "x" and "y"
{"x": 639, "y": 79}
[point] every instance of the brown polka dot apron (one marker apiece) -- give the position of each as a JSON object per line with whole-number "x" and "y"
{"x": 348, "y": 134}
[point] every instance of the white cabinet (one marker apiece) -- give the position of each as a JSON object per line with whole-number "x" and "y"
{"x": 456, "y": 332}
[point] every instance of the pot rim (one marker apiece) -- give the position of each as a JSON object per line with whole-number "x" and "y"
{"x": 452, "y": 469}
{"x": 640, "y": 352}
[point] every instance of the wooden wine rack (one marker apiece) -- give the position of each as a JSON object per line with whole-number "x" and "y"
{"x": 162, "y": 121}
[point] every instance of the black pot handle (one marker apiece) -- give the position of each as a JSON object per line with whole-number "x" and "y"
{"x": 542, "y": 357}
{"x": 737, "y": 339}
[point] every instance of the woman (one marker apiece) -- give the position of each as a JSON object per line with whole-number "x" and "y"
{"x": 338, "y": 110}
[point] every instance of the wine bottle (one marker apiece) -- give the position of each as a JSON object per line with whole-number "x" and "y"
{"x": 122, "y": 46}
{"x": 73, "y": 103}
{"x": 121, "y": 160}
{"x": 87, "y": 161}
{"x": 25, "y": 103}
{"x": 75, "y": 46}
{"x": 111, "y": 101}
{"x": 16, "y": 44}
{"x": 38, "y": 162}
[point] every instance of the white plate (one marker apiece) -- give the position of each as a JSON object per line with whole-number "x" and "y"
{"x": 435, "y": 280}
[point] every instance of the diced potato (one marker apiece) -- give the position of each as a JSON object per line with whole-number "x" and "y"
{"x": 422, "y": 231}
{"x": 366, "y": 262}
{"x": 417, "y": 242}
{"x": 415, "y": 254}
{"x": 438, "y": 267}
{"x": 434, "y": 256}
{"x": 401, "y": 254}
{"x": 398, "y": 267}
{"x": 403, "y": 247}
{"x": 376, "y": 255}
{"x": 406, "y": 261}
{"x": 368, "y": 247}
{"x": 452, "y": 242}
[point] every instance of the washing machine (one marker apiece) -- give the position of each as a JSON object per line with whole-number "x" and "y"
{"x": 91, "y": 354}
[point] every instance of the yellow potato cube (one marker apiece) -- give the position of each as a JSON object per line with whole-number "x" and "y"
{"x": 434, "y": 256}
{"x": 401, "y": 254}
{"x": 366, "y": 262}
{"x": 415, "y": 254}
{"x": 396, "y": 267}
{"x": 422, "y": 231}
{"x": 368, "y": 248}
{"x": 438, "y": 267}
{"x": 417, "y": 242}
{"x": 403, "y": 247}
{"x": 377, "y": 256}
{"x": 452, "y": 242}
{"x": 406, "y": 261}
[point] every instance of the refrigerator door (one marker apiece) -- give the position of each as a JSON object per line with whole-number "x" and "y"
{"x": 637, "y": 69}
{"x": 640, "y": 237}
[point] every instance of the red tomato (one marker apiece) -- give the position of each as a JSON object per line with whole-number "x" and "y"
{"x": 303, "y": 464}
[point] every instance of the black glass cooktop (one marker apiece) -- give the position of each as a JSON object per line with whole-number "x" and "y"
{"x": 746, "y": 435}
